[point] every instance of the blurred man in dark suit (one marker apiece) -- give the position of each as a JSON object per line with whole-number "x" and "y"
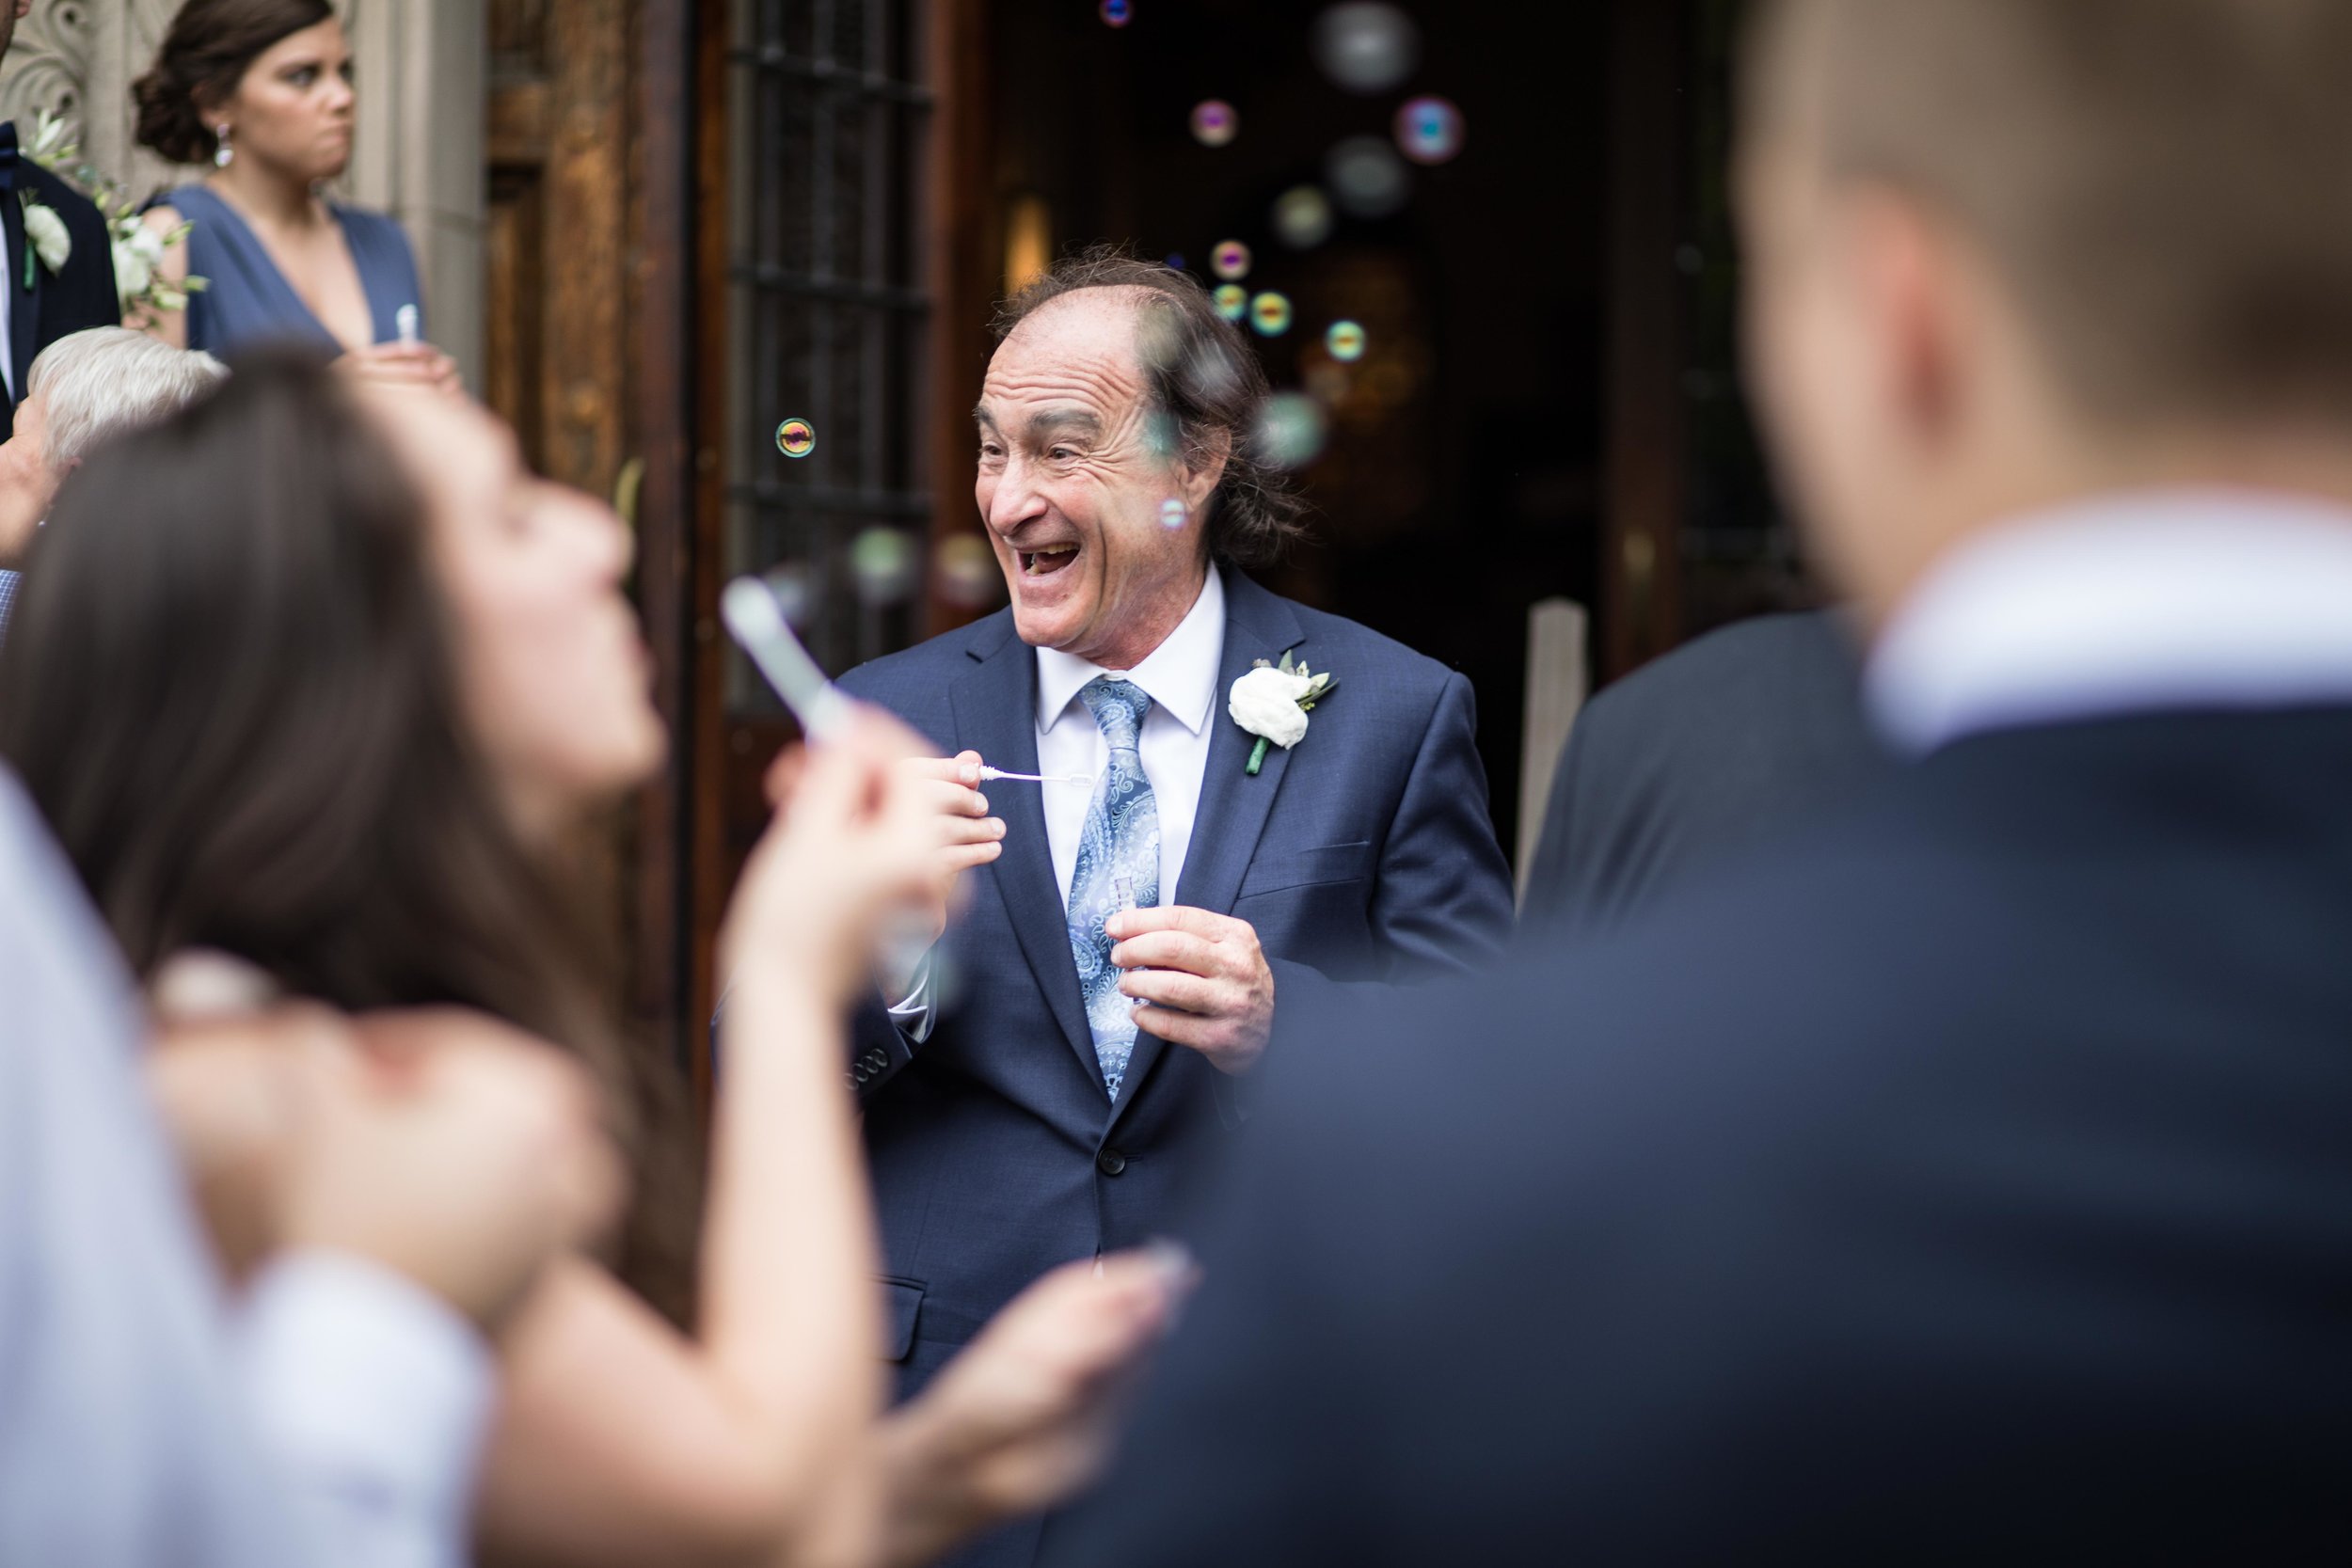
{"x": 1973, "y": 1181}
{"x": 1723, "y": 745}
{"x": 61, "y": 275}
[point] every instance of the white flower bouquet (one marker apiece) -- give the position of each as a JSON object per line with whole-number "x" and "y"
{"x": 138, "y": 250}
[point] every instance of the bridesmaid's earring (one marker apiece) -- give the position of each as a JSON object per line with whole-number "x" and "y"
{"x": 221, "y": 153}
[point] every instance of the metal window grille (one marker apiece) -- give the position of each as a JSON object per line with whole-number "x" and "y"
{"x": 826, "y": 313}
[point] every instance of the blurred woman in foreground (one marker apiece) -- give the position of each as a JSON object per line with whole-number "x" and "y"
{"x": 317, "y": 676}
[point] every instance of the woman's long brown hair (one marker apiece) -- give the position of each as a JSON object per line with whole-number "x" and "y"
{"x": 228, "y": 684}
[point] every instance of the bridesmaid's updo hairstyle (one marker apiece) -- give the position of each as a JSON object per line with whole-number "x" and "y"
{"x": 205, "y": 55}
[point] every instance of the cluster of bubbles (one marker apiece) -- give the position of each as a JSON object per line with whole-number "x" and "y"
{"x": 796, "y": 437}
{"x": 1230, "y": 260}
{"x": 1117, "y": 13}
{"x": 1213, "y": 122}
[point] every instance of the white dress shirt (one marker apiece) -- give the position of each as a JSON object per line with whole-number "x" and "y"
{"x": 1180, "y": 677}
{"x": 2129, "y": 603}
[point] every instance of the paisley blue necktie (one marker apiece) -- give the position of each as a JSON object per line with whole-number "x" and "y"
{"x": 1118, "y": 866}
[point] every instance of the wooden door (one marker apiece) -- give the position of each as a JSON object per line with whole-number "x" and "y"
{"x": 587, "y": 353}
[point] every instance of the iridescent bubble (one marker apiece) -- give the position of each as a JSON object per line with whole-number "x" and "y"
{"x": 1366, "y": 47}
{"x": 1367, "y": 177}
{"x": 1232, "y": 301}
{"x": 1302, "y": 215}
{"x": 883, "y": 561}
{"x": 796, "y": 437}
{"x": 965, "y": 571}
{"x": 1230, "y": 260}
{"x": 1290, "y": 430}
{"x": 1345, "y": 343}
{"x": 1117, "y": 13}
{"x": 1173, "y": 514}
{"x": 1175, "y": 260}
{"x": 1213, "y": 122}
{"x": 1270, "y": 313}
{"x": 1429, "y": 130}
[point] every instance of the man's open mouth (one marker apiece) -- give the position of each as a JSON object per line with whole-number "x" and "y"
{"x": 1045, "y": 563}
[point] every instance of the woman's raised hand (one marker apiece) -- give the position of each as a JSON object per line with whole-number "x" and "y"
{"x": 853, "y": 842}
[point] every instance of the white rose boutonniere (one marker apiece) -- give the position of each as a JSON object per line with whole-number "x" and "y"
{"x": 45, "y": 236}
{"x": 1272, "y": 703}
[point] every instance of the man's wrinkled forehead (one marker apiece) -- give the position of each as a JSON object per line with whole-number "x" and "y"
{"x": 1077, "y": 351}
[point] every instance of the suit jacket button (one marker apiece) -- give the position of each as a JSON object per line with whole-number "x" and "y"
{"x": 1110, "y": 1161}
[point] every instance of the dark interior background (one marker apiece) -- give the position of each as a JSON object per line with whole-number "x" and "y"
{"x": 1463, "y": 480}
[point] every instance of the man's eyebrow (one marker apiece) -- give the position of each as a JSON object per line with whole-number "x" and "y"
{"x": 1081, "y": 422}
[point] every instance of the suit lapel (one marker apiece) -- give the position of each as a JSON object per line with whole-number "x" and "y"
{"x": 1234, "y": 806}
{"x": 24, "y": 304}
{"x": 995, "y": 709}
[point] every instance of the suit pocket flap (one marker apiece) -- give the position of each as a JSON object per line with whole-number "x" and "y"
{"x": 1329, "y": 863}
{"x": 902, "y": 1303}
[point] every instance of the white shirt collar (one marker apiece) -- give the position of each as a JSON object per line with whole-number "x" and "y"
{"x": 2124, "y": 604}
{"x": 1179, "y": 675}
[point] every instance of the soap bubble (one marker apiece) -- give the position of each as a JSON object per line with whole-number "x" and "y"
{"x": 1232, "y": 301}
{"x": 1302, "y": 215}
{"x": 1213, "y": 122}
{"x": 1173, "y": 514}
{"x": 1368, "y": 177}
{"x": 1366, "y": 47}
{"x": 1270, "y": 313}
{"x": 1429, "y": 130}
{"x": 796, "y": 438}
{"x": 1117, "y": 13}
{"x": 1345, "y": 343}
{"x": 789, "y": 581}
{"x": 1290, "y": 430}
{"x": 1230, "y": 260}
{"x": 966, "y": 573}
{"x": 1175, "y": 260}
{"x": 883, "y": 560}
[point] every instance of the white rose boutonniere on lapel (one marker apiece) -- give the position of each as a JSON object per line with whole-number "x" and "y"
{"x": 45, "y": 236}
{"x": 1272, "y": 703}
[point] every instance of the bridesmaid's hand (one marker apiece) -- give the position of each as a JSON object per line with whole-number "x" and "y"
{"x": 402, "y": 365}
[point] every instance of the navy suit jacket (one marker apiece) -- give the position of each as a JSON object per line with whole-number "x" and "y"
{"x": 1363, "y": 856}
{"x": 1970, "y": 1182}
{"x": 81, "y": 297}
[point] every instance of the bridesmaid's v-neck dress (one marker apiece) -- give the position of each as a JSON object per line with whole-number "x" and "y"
{"x": 247, "y": 300}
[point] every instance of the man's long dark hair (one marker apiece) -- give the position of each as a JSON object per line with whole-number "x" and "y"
{"x": 229, "y": 685}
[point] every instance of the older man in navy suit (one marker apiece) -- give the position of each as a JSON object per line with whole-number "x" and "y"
{"x": 1086, "y": 1036}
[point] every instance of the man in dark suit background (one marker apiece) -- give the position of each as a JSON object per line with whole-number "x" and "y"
{"x": 1971, "y": 1180}
{"x": 1087, "y": 1037}
{"x": 1727, "y": 744}
{"x": 41, "y": 303}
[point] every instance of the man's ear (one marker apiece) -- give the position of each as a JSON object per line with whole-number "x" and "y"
{"x": 1909, "y": 281}
{"x": 1201, "y": 471}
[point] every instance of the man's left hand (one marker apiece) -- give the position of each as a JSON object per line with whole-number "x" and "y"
{"x": 1199, "y": 980}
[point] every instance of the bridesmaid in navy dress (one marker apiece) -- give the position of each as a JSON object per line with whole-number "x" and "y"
{"x": 261, "y": 90}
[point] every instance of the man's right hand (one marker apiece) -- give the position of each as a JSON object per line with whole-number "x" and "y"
{"x": 450, "y": 1148}
{"x": 968, "y": 836}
